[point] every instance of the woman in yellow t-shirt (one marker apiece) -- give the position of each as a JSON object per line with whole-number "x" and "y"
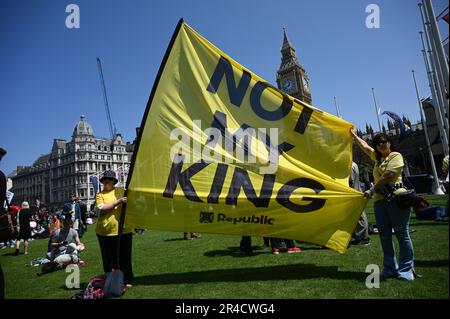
{"x": 387, "y": 172}
{"x": 109, "y": 203}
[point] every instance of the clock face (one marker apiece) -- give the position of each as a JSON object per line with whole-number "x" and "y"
{"x": 287, "y": 85}
{"x": 305, "y": 84}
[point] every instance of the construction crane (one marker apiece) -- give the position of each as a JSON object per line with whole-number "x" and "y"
{"x": 112, "y": 126}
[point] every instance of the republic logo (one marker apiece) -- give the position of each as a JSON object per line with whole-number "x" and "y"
{"x": 207, "y": 217}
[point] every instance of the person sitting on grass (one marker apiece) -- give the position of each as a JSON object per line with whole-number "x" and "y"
{"x": 66, "y": 244}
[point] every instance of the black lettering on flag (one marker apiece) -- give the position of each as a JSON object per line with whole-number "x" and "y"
{"x": 236, "y": 93}
{"x": 183, "y": 178}
{"x": 255, "y": 101}
{"x": 283, "y": 147}
{"x": 242, "y": 180}
{"x": 220, "y": 123}
{"x": 217, "y": 185}
{"x": 303, "y": 119}
{"x": 285, "y": 192}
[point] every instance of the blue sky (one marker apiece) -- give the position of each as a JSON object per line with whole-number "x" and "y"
{"x": 48, "y": 74}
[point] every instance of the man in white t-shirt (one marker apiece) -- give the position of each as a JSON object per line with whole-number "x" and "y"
{"x": 66, "y": 244}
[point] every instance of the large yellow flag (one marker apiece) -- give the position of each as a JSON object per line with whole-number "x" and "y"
{"x": 220, "y": 150}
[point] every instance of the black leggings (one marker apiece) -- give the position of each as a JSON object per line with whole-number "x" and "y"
{"x": 108, "y": 247}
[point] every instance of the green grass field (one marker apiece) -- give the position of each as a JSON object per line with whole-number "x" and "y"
{"x": 212, "y": 267}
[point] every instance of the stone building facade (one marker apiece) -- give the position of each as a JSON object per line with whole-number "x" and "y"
{"x": 69, "y": 166}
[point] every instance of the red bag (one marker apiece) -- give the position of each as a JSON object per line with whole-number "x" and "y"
{"x": 94, "y": 289}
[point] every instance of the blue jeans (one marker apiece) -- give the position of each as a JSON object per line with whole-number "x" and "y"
{"x": 433, "y": 212}
{"x": 388, "y": 215}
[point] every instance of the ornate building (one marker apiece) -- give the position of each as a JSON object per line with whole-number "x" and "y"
{"x": 68, "y": 168}
{"x": 291, "y": 76}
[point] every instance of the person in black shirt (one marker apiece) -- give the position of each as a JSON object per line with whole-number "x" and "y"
{"x": 24, "y": 217}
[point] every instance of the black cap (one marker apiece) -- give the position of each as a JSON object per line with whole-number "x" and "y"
{"x": 109, "y": 175}
{"x": 2, "y": 152}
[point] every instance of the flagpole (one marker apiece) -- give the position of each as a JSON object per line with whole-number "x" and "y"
{"x": 427, "y": 139}
{"x": 437, "y": 109}
{"x": 376, "y": 110}
{"x": 436, "y": 38}
{"x": 337, "y": 108}
{"x": 436, "y": 68}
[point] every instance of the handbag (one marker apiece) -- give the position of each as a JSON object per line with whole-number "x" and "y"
{"x": 407, "y": 199}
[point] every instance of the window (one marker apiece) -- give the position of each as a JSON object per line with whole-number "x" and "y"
{"x": 96, "y": 156}
{"x": 103, "y": 157}
{"x": 108, "y": 158}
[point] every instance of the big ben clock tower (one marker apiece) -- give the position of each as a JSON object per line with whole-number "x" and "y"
{"x": 291, "y": 76}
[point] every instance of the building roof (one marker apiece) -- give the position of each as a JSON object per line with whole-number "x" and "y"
{"x": 83, "y": 128}
{"x": 43, "y": 159}
{"x": 60, "y": 143}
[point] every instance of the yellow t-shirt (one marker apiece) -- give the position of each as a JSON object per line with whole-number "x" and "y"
{"x": 394, "y": 163}
{"x": 108, "y": 223}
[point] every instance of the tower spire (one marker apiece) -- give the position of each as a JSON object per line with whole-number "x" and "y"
{"x": 286, "y": 42}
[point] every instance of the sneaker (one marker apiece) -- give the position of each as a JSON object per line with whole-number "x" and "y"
{"x": 188, "y": 238}
{"x": 365, "y": 242}
{"x": 293, "y": 250}
{"x": 406, "y": 278}
{"x": 362, "y": 242}
{"x": 276, "y": 251}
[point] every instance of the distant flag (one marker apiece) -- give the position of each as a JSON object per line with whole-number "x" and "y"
{"x": 9, "y": 197}
{"x": 405, "y": 130}
{"x": 446, "y": 18}
{"x": 95, "y": 184}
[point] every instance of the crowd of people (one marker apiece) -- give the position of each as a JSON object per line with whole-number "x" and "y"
{"x": 65, "y": 229}
{"x": 36, "y": 222}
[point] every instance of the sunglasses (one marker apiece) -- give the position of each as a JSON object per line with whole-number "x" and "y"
{"x": 382, "y": 142}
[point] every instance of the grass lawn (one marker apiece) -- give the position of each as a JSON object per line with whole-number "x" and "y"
{"x": 212, "y": 267}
